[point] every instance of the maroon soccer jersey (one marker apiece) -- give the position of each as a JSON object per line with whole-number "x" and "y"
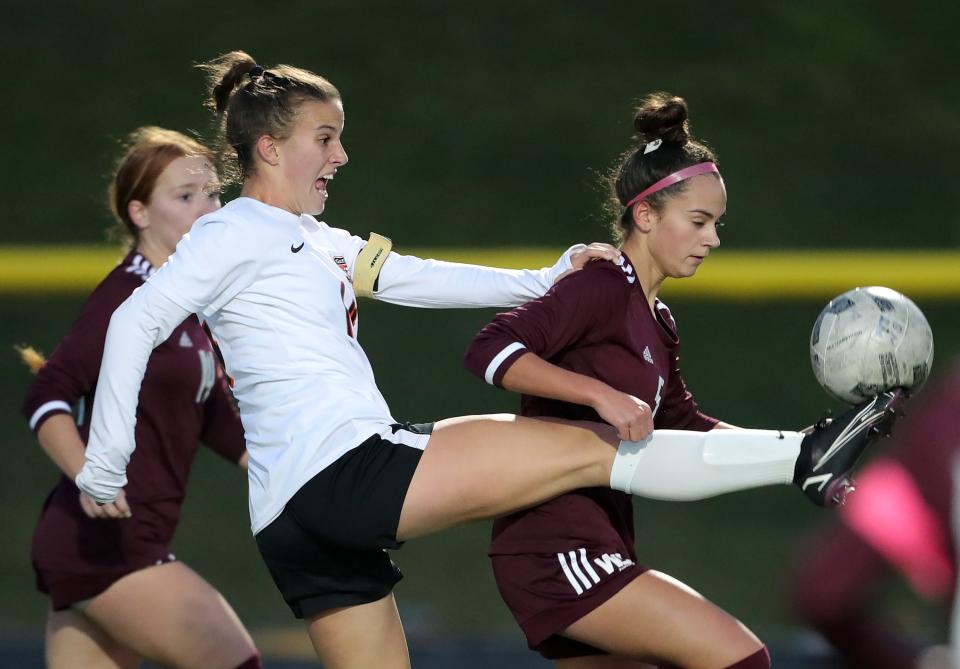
{"x": 559, "y": 560}
{"x": 183, "y": 401}
{"x": 595, "y": 322}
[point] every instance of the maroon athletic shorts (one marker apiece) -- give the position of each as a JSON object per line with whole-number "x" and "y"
{"x": 76, "y": 558}
{"x": 66, "y": 589}
{"x": 559, "y": 561}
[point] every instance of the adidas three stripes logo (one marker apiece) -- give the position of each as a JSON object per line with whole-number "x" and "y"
{"x": 580, "y": 572}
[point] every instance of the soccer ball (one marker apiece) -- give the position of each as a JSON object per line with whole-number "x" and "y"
{"x": 869, "y": 340}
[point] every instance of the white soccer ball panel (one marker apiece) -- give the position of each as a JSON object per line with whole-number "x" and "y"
{"x": 868, "y": 340}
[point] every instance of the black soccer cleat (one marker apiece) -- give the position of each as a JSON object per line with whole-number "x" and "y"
{"x": 831, "y": 448}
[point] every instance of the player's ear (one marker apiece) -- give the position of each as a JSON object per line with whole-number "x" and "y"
{"x": 643, "y": 216}
{"x": 137, "y": 211}
{"x": 268, "y": 151}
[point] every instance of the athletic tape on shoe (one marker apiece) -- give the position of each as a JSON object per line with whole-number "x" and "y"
{"x": 369, "y": 261}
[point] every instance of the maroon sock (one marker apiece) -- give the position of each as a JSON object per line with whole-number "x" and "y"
{"x": 253, "y": 662}
{"x": 758, "y": 660}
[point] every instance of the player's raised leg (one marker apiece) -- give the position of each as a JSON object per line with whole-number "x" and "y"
{"x": 485, "y": 466}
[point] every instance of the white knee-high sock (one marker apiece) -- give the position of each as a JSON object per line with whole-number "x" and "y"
{"x": 683, "y": 465}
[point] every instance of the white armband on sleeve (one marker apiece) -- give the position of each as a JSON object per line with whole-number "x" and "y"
{"x": 368, "y": 264}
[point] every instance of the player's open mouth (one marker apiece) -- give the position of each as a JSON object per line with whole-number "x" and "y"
{"x": 321, "y": 183}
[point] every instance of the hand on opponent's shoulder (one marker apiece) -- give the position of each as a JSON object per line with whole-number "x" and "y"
{"x": 583, "y": 254}
{"x": 595, "y": 255}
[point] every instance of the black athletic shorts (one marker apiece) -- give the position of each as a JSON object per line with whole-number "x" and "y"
{"x": 328, "y": 548}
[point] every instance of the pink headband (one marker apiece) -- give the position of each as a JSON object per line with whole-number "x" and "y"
{"x": 679, "y": 175}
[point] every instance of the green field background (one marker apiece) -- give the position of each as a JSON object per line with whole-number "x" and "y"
{"x": 487, "y": 125}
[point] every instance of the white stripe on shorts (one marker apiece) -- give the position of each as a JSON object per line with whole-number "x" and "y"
{"x": 587, "y": 566}
{"x": 498, "y": 360}
{"x": 569, "y": 574}
{"x": 405, "y": 437}
{"x": 576, "y": 570}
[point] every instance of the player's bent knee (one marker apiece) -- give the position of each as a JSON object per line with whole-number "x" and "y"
{"x": 757, "y": 660}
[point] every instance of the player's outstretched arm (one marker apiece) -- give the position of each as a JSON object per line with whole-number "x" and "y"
{"x": 417, "y": 282}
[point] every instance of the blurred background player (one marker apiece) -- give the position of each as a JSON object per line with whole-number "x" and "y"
{"x": 901, "y": 524}
{"x": 117, "y": 593}
{"x": 597, "y": 346}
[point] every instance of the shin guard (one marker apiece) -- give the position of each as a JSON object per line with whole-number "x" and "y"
{"x": 685, "y": 465}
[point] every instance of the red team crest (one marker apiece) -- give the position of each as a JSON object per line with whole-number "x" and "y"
{"x": 341, "y": 263}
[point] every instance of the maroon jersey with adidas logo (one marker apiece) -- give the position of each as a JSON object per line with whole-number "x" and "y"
{"x": 183, "y": 402}
{"x": 595, "y": 322}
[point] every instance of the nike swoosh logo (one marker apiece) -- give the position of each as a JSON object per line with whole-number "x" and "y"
{"x": 823, "y": 479}
{"x": 296, "y": 249}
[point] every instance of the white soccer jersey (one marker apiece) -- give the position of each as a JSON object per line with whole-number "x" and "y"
{"x": 276, "y": 290}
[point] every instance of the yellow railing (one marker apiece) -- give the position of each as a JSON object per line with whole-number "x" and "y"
{"x": 734, "y": 275}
